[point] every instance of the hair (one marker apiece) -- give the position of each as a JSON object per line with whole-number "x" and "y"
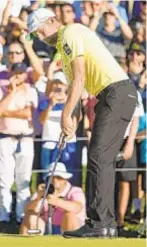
{"x": 17, "y": 43}
{"x": 68, "y": 5}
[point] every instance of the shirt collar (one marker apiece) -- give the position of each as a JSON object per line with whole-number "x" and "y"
{"x": 60, "y": 35}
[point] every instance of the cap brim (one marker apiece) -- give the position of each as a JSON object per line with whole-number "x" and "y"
{"x": 64, "y": 175}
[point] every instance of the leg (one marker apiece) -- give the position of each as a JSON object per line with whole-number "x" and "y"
{"x": 29, "y": 222}
{"x": 70, "y": 222}
{"x": 124, "y": 193}
{"x": 113, "y": 114}
{"x": 112, "y": 118}
{"x": 7, "y": 165}
{"x": 23, "y": 172}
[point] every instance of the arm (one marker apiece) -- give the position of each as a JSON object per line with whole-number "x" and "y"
{"x": 33, "y": 204}
{"x": 45, "y": 114}
{"x": 5, "y": 102}
{"x": 129, "y": 146}
{"x": 75, "y": 91}
{"x": 19, "y": 22}
{"x": 141, "y": 136}
{"x": 35, "y": 62}
{"x": 70, "y": 206}
{"x": 77, "y": 86}
{"x": 6, "y": 14}
{"x": 94, "y": 22}
{"x": 25, "y": 113}
{"x": 125, "y": 28}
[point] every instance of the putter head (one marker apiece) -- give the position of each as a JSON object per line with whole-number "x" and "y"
{"x": 34, "y": 231}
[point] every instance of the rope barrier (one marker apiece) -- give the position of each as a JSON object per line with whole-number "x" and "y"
{"x": 77, "y": 139}
{"x": 117, "y": 170}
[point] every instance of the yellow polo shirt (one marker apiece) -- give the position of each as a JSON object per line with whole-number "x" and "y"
{"x": 100, "y": 67}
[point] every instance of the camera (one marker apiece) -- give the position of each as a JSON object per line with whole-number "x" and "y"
{"x": 120, "y": 160}
{"x": 51, "y": 188}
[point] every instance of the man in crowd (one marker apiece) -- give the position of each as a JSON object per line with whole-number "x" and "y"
{"x": 67, "y": 13}
{"x": 87, "y": 63}
{"x": 114, "y": 37}
{"x": 68, "y": 202}
{"x": 17, "y": 103}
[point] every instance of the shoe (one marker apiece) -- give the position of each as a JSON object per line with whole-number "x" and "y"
{"x": 136, "y": 217}
{"x": 87, "y": 231}
{"x": 4, "y": 225}
{"x": 112, "y": 232}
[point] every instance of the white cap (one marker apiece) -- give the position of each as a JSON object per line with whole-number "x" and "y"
{"x": 1, "y": 49}
{"x": 60, "y": 171}
{"x": 37, "y": 17}
{"x": 59, "y": 75}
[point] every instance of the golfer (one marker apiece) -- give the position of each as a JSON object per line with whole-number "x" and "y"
{"x": 88, "y": 64}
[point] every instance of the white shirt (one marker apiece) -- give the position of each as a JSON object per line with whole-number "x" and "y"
{"x": 52, "y": 130}
{"x": 22, "y": 99}
{"x": 139, "y": 111}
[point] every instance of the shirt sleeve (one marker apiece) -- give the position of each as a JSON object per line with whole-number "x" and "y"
{"x": 139, "y": 110}
{"x": 73, "y": 44}
{"x": 78, "y": 196}
{"x": 43, "y": 105}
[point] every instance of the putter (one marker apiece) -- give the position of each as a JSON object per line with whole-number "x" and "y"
{"x": 61, "y": 145}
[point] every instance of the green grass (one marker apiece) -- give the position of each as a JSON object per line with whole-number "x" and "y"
{"x": 8, "y": 241}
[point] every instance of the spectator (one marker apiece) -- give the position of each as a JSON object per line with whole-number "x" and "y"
{"x": 68, "y": 205}
{"x": 2, "y": 67}
{"x": 50, "y": 114}
{"x": 136, "y": 62}
{"x": 125, "y": 179}
{"x": 113, "y": 37}
{"x": 141, "y": 138}
{"x": 67, "y": 13}
{"x": 100, "y": 7}
{"x": 139, "y": 19}
{"x": 16, "y": 144}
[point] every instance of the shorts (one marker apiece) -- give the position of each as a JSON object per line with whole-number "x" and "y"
{"x": 128, "y": 176}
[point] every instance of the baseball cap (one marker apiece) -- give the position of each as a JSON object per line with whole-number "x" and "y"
{"x": 37, "y": 17}
{"x": 60, "y": 171}
{"x": 59, "y": 75}
{"x": 137, "y": 47}
{"x": 19, "y": 67}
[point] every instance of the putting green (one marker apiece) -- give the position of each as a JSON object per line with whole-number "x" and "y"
{"x": 18, "y": 241}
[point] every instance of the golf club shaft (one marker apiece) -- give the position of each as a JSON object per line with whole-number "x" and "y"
{"x": 61, "y": 145}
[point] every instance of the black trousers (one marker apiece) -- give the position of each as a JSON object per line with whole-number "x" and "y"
{"x": 114, "y": 111}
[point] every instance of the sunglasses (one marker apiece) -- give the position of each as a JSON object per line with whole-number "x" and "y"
{"x": 15, "y": 52}
{"x": 59, "y": 90}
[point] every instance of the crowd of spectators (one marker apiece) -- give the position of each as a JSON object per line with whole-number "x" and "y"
{"x": 33, "y": 91}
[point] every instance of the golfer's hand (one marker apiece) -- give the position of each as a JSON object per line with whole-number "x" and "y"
{"x": 52, "y": 200}
{"x": 67, "y": 126}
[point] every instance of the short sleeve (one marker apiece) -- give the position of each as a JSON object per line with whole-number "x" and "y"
{"x": 77, "y": 195}
{"x": 43, "y": 105}
{"x": 73, "y": 44}
{"x": 139, "y": 110}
